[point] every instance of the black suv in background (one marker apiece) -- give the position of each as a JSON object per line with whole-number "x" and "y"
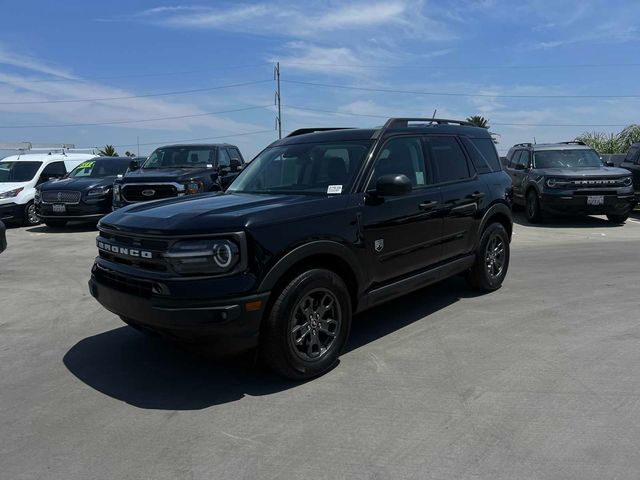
{"x": 319, "y": 226}
{"x": 568, "y": 178}
{"x": 631, "y": 162}
{"x": 176, "y": 170}
{"x": 84, "y": 194}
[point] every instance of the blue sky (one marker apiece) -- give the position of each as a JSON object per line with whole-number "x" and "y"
{"x": 62, "y": 52}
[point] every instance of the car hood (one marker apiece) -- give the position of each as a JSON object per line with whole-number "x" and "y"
{"x": 216, "y": 212}
{"x": 77, "y": 184}
{"x": 583, "y": 172}
{"x": 164, "y": 174}
{"x": 8, "y": 186}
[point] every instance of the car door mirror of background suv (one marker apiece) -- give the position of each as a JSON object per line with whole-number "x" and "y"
{"x": 519, "y": 166}
{"x": 393, "y": 185}
{"x": 235, "y": 164}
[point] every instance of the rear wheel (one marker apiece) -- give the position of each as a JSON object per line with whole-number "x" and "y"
{"x": 55, "y": 223}
{"x": 620, "y": 219}
{"x": 532, "y": 207}
{"x": 308, "y": 325}
{"x": 30, "y": 218}
{"x": 492, "y": 259}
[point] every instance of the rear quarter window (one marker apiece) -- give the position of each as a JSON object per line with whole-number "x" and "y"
{"x": 487, "y": 150}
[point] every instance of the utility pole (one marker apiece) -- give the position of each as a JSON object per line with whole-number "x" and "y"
{"x": 276, "y": 76}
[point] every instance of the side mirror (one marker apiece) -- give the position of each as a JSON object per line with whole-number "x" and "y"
{"x": 134, "y": 165}
{"x": 519, "y": 166}
{"x": 235, "y": 165}
{"x": 609, "y": 163}
{"x": 393, "y": 185}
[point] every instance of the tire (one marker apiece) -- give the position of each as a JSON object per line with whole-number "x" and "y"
{"x": 30, "y": 218}
{"x": 618, "y": 219}
{"x": 141, "y": 329}
{"x": 492, "y": 259}
{"x": 298, "y": 347}
{"x": 532, "y": 207}
{"x": 55, "y": 223}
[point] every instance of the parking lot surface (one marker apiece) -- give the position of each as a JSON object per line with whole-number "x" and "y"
{"x": 538, "y": 380}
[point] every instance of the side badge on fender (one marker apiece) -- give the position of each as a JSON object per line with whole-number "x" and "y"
{"x": 379, "y": 245}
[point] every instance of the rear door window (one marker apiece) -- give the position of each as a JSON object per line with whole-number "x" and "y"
{"x": 449, "y": 159}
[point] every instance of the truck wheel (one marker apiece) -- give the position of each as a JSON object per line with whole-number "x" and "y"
{"x": 492, "y": 259}
{"x": 30, "y": 218}
{"x": 619, "y": 219}
{"x": 55, "y": 223}
{"x": 532, "y": 207}
{"x": 308, "y": 325}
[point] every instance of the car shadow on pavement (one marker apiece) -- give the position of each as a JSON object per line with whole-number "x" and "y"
{"x": 558, "y": 221}
{"x": 72, "y": 227}
{"x": 152, "y": 373}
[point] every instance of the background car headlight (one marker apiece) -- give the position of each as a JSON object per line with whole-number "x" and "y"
{"x": 211, "y": 256}
{"x": 627, "y": 181}
{"x": 193, "y": 186}
{"x": 551, "y": 182}
{"x": 116, "y": 192}
{"x": 11, "y": 193}
{"x": 36, "y": 196}
{"x": 98, "y": 192}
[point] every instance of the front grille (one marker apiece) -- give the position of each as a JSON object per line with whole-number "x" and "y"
{"x": 595, "y": 182}
{"x": 62, "y": 196}
{"x": 140, "y": 288}
{"x": 127, "y": 244}
{"x": 143, "y": 193}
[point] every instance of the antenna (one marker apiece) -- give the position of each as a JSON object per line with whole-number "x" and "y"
{"x": 276, "y": 76}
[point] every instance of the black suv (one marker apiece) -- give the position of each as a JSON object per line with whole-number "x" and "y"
{"x": 631, "y": 162}
{"x": 319, "y": 226}
{"x": 84, "y": 194}
{"x": 176, "y": 170}
{"x": 568, "y": 178}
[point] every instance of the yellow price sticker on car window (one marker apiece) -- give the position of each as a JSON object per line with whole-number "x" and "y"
{"x": 86, "y": 165}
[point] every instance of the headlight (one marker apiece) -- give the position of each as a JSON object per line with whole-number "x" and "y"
{"x": 212, "y": 256}
{"x": 116, "y": 192}
{"x": 11, "y": 193}
{"x": 551, "y": 182}
{"x": 36, "y": 197}
{"x": 627, "y": 181}
{"x": 193, "y": 186}
{"x": 98, "y": 192}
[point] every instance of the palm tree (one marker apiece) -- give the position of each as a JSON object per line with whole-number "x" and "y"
{"x": 628, "y": 136}
{"x": 479, "y": 121}
{"x": 603, "y": 143}
{"x": 108, "y": 151}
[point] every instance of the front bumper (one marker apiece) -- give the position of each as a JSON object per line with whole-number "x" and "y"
{"x": 78, "y": 211}
{"x": 571, "y": 203}
{"x": 231, "y": 325}
{"x": 11, "y": 211}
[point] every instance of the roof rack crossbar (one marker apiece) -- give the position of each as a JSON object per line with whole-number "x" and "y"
{"x": 28, "y": 146}
{"x": 302, "y": 131}
{"x": 572, "y": 142}
{"x": 526, "y": 144}
{"x": 403, "y": 122}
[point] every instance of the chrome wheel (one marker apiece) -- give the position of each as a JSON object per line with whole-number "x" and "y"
{"x": 495, "y": 256}
{"x": 32, "y": 216}
{"x": 315, "y": 324}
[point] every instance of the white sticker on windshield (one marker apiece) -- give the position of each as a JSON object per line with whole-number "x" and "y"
{"x": 209, "y": 165}
{"x": 336, "y": 189}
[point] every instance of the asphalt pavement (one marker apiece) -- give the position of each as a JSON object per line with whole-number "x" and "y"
{"x": 539, "y": 380}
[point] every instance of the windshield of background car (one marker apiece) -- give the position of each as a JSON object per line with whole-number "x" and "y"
{"x": 304, "y": 169}
{"x": 100, "y": 168}
{"x": 181, "y": 157}
{"x": 18, "y": 171}
{"x": 578, "y": 158}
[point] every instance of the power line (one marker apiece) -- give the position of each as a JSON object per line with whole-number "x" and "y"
{"x": 177, "y": 92}
{"x": 166, "y": 142}
{"x": 120, "y": 122}
{"x": 137, "y": 75}
{"x": 469, "y": 67}
{"x": 449, "y": 94}
{"x": 336, "y": 112}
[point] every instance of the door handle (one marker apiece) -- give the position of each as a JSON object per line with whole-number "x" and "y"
{"x": 476, "y": 195}
{"x": 429, "y": 205}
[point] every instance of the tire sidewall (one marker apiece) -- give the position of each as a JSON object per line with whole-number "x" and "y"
{"x": 26, "y": 220}
{"x": 532, "y": 201}
{"x": 494, "y": 229}
{"x": 280, "y": 318}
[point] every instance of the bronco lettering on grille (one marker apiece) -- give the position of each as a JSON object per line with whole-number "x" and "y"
{"x": 129, "y": 252}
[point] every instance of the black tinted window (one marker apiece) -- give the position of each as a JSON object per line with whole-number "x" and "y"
{"x": 223, "y": 158}
{"x": 515, "y": 158}
{"x": 55, "y": 168}
{"x": 404, "y": 156}
{"x": 631, "y": 154}
{"x": 448, "y": 158}
{"x": 18, "y": 171}
{"x": 524, "y": 159}
{"x": 488, "y": 150}
{"x": 234, "y": 153}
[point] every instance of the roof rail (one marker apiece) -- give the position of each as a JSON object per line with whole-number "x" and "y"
{"x": 28, "y": 146}
{"x": 572, "y": 142}
{"x": 302, "y": 131}
{"x": 527, "y": 144}
{"x": 404, "y": 122}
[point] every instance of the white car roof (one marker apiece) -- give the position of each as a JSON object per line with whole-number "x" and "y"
{"x": 48, "y": 157}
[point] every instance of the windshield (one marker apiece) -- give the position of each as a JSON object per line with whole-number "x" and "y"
{"x": 18, "y": 171}
{"x": 578, "y": 158}
{"x": 311, "y": 168}
{"x": 196, "y": 156}
{"x": 100, "y": 168}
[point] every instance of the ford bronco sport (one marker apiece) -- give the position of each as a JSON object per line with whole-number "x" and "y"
{"x": 321, "y": 225}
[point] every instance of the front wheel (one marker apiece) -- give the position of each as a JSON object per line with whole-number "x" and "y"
{"x": 532, "y": 207}
{"x": 30, "y": 218}
{"x": 308, "y": 325}
{"x": 618, "y": 219}
{"x": 492, "y": 259}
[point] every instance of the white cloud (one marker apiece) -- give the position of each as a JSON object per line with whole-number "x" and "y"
{"x": 14, "y": 59}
